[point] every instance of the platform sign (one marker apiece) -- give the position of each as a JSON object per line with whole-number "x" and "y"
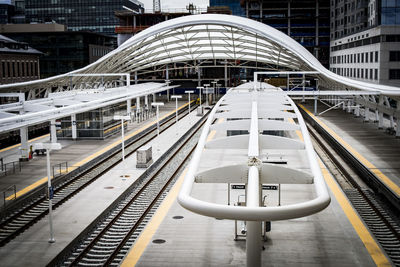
{"x": 58, "y": 125}
{"x": 238, "y": 186}
{"x": 264, "y": 187}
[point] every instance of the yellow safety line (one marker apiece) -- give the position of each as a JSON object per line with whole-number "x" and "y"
{"x": 92, "y": 156}
{"x": 29, "y": 141}
{"x": 142, "y": 242}
{"x": 372, "y": 247}
{"x": 386, "y": 180}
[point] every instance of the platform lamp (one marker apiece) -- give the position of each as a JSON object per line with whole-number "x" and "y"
{"x": 207, "y": 85}
{"x": 157, "y": 104}
{"x": 189, "y": 92}
{"x": 122, "y": 118}
{"x": 176, "y": 97}
{"x": 49, "y": 147}
{"x": 214, "y": 83}
{"x": 200, "y": 88}
{"x": 218, "y": 87}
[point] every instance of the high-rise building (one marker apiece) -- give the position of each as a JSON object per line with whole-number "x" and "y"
{"x": 84, "y": 15}
{"x": 306, "y": 21}
{"x": 234, "y": 6}
{"x": 365, "y": 40}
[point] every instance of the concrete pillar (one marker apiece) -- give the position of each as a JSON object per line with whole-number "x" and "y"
{"x": 198, "y": 77}
{"x": 129, "y": 107}
{"x": 23, "y": 132}
{"x": 154, "y": 97}
{"x": 226, "y": 74}
{"x": 357, "y": 111}
{"x": 366, "y": 115}
{"x": 315, "y": 106}
{"x": 136, "y": 80}
{"x": 398, "y": 120}
{"x": 146, "y": 101}
{"x": 137, "y": 104}
{"x": 167, "y": 78}
{"x": 73, "y": 127}
{"x": 53, "y": 131}
{"x": 380, "y": 118}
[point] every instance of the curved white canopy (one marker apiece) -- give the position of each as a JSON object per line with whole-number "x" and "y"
{"x": 208, "y": 37}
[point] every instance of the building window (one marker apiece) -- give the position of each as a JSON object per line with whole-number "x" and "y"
{"x": 376, "y": 56}
{"x": 371, "y": 56}
{"x": 394, "y": 74}
{"x": 362, "y": 73}
{"x": 358, "y": 58}
{"x": 362, "y": 57}
{"x": 366, "y": 73}
{"x": 358, "y": 73}
{"x": 366, "y": 57}
{"x": 394, "y": 56}
{"x": 370, "y": 74}
{"x": 376, "y": 74}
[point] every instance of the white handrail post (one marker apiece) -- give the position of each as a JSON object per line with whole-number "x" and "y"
{"x": 253, "y": 235}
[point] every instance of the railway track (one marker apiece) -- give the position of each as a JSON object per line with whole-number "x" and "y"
{"x": 37, "y": 208}
{"x": 113, "y": 234}
{"x": 377, "y": 214}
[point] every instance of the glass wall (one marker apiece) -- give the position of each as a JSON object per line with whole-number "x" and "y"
{"x": 390, "y": 14}
{"x": 95, "y": 124}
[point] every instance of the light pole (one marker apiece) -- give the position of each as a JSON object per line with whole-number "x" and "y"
{"x": 316, "y": 98}
{"x": 207, "y": 85}
{"x": 176, "y": 97}
{"x": 200, "y": 88}
{"x": 122, "y": 118}
{"x": 157, "y": 104}
{"x": 218, "y": 87}
{"x": 49, "y": 147}
{"x": 189, "y": 92}
{"x": 214, "y": 83}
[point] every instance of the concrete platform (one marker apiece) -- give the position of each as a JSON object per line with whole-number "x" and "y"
{"x": 376, "y": 149}
{"x": 75, "y": 153}
{"x": 32, "y": 248}
{"x": 328, "y": 238}
{"x": 334, "y": 237}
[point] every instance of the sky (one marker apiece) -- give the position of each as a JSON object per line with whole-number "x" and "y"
{"x": 175, "y": 4}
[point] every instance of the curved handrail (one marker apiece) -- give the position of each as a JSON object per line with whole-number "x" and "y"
{"x": 254, "y": 213}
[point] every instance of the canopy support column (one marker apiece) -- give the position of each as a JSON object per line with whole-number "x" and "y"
{"x": 73, "y": 126}
{"x": 24, "y": 143}
{"x": 53, "y": 131}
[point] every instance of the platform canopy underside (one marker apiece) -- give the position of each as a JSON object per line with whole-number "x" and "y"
{"x": 192, "y": 40}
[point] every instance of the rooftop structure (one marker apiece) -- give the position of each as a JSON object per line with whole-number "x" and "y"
{"x": 18, "y": 61}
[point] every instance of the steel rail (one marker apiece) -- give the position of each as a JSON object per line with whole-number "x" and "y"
{"x": 64, "y": 197}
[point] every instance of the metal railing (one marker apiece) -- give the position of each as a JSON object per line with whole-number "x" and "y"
{"x": 10, "y": 168}
{"x": 60, "y": 168}
{"x": 12, "y": 188}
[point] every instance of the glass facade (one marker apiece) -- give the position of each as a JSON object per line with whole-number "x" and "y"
{"x": 64, "y": 51}
{"x": 79, "y": 15}
{"x": 95, "y": 124}
{"x": 390, "y": 12}
{"x": 234, "y": 5}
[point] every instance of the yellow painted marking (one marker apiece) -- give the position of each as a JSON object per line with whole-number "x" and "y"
{"x": 92, "y": 156}
{"x": 386, "y": 180}
{"x": 142, "y": 242}
{"x": 29, "y": 141}
{"x": 211, "y": 135}
{"x": 372, "y": 247}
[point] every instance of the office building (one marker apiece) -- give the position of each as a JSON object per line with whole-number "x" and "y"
{"x": 306, "y": 21}
{"x": 85, "y": 15}
{"x": 234, "y": 6}
{"x": 18, "y": 61}
{"x": 365, "y": 40}
{"x": 63, "y": 50}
